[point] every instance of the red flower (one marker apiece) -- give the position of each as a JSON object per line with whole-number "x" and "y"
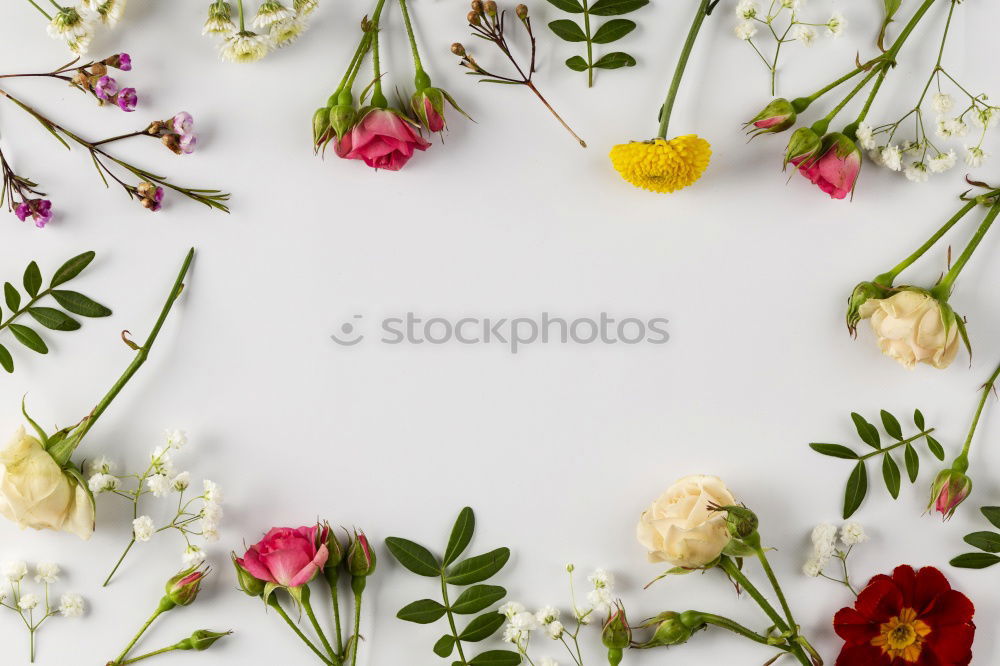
{"x": 912, "y": 617}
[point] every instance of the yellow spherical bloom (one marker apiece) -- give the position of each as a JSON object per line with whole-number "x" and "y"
{"x": 663, "y": 166}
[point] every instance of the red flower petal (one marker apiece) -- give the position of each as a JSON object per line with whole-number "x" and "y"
{"x": 861, "y": 655}
{"x": 952, "y": 645}
{"x": 950, "y": 608}
{"x": 905, "y": 578}
{"x": 931, "y": 583}
{"x": 880, "y": 600}
{"x": 854, "y": 627}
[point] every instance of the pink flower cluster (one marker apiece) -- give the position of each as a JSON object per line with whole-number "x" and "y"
{"x": 106, "y": 88}
{"x": 39, "y": 210}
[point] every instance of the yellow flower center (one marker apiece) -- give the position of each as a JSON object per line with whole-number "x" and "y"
{"x": 662, "y": 166}
{"x": 902, "y": 637}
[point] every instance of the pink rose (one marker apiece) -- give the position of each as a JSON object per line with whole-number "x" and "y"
{"x": 383, "y": 140}
{"x": 835, "y": 170}
{"x": 287, "y": 556}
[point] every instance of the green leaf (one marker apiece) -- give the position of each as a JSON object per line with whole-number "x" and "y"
{"x": 570, "y": 6}
{"x": 615, "y": 60}
{"x": 482, "y": 627}
{"x": 568, "y": 30}
{"x": 11, "y": 295}
{"x": 577, "y": 64}
{"x": 477, "y": 598}
{"x": 918, "y": 419}
{"x": 834, "y": 451}
{"x": 6, "y": 362}
{"x": 935, "y": 447}
{"x": 496, "y": 658}
{"x": 988, "y": 541}
{"x": 890, "y": 472}
{"x": 857, "y": 488}
{"x": 414, "y": 557}
{"x": 975, "y": 560}
{"x": 479, "y": 568}
{"x": 53, "y": 319}
{"x": 424, "y": 611}
{"x": 891, "y": 7}
{"x": 866, "y": 431}
{"x": 32, "y": 279}
{"x": 461, "y": 535}
{"x": 613, "y": 30}
{"x": 616, "y": 7}
{"x": 28, "y": 338}
{"x": 992, "y": 514}
{"x": 912, "y": 462}
{"x": 71, "y": 268}
{"x": 79, "y": 304}
{"x": 891, "y": 425}
{"x": 444, "y": 646}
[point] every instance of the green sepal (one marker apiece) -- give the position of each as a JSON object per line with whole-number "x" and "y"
{"x": 37, "y": 428}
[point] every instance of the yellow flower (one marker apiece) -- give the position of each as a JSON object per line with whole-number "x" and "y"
{"x": 663, "y": 166}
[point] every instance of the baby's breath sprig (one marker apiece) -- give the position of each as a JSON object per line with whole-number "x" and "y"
{"x": 783, "y": 23}
{"x": 273, "y": 26}
{"x": 75, "y": 25}
{"x": 194, "y": 517}
{"x": 830, "y": 544}
{"x": 488, "y": 22}
{"x": 32, "y": 610}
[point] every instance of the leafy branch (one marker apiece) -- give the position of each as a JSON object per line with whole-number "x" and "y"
{"x": 49, "y": 317}
{"x": 857, "y": 482}
{"x": 472, "y": 571}
{"x": 610, "y": 31}
{"x": 986, "y": 541}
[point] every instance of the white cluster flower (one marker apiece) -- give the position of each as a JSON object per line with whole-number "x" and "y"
{"x": 917, "y": 171}
{"x": 747, "y": 9}
{"x": 974, "y": 156}
{"x": 100, "y": 466}
{"x": 836, "y": 25}
{"x": 805, "y": 34}
{"x": 33, "y": 606}
{"x": 103, "y": 483}
{"x": 824, "y": 538}
{"x": 160, "y": 485}
{"x": 275, "y": 25}
{"x": 71, "y": 605}
{"x": 510, "y": 609}
{"x": 601, "y": 597}
{"x": 942, "y": 103}
{"x": 47, "y": 572}
{"x": 548, "y": 618}
{"x": 547, "y": 661}
{"x": 27, "y": 602}
{"x": 212, "y": 492}
{"x": 987, "y": 117}
{"x": 942, "y": 162}
{"x": 891, "y": 157}
{"x": 520, "y": 623}
{"x": 143, "y": 528}
{"x": 852, "y": 533}
{"x": 866, "y": 136}
{"x": 176, "y": 439}
{"x": 14, "y": 571}
{"x": 947, "y": 127}
{"x": 794, "y": 5}
{"x": 745, "y": 30}
{"x": 161, "y": 461}
{"x": 74, "y": 26}
{"x": 108, "y": 11}
{"x": 192, "y": 557}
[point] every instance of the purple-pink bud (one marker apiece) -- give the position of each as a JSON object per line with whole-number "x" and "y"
{"x": 182, "y": 123}
{"x": 106, "y": 88}
{"x": 39, "y": 210}
{"x": 122, "y": 61}
{"x": 183, "y": 588}
{"x": 127, "y": 99}
{"x": 188, "y": 142}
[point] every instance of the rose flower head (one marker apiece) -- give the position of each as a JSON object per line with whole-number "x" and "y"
{"x": 913, "y": 327}
{"x": 288, "y": 557}
{"x": 382, "y": 139}
{"x": 834, "y": 169}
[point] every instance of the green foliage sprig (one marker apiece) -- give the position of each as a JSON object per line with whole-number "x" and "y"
{"x": 51, "y": 318}
{"x": 470, "y": 573}
{"x": 988, "y": 542}
{"x": 608, "y": 32}
{"x": 857, "y": 482}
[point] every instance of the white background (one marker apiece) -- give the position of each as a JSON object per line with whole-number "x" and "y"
{"x": 558, "y": 448}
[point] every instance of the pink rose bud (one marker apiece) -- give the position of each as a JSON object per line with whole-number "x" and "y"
{"x": 835, "y": 169}
{"x": 183, "y": 588}
{"x": 383, "y": 139}
{"x": 803, "y": 146}
{"x": 336, "y": 550}
{"x": 286, "y": 556}
{"x": 428, "y": 105}
{"x": 950, "y": 488}
{"x": 616, "y": 635}
{"x": 201, "y": 640}
{"x": 321, "y": 127}
{"x": 360, "y": 557}
{"x": 777, "y": 116}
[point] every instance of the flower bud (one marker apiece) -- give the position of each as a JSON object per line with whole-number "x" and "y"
{"x": 173, "y": 142}
{"x": 777, "y": 116}
{"x": 183, "y": 588}
{"x": 122, "y": 61}
{"x": 950, "y": 488}
{"x": 81, "y": 80}
{"x": 616, "y": 635}
{"x": 741, "y": 522}
{"x": 477, "y": 6}
{"x": 805, "y": 145}
{"x": 342, "y": 118}
{"x": 491, "y": 8}
{"x": 671, "y": 629}
{"x": 360, "y": 559}
{"x": 521, "y": 11}
{"x": 201, "y": 640}
{"x": 473, "y": 18}
{"x": 320, "y": 124}
{"x": 861, "y": 295}
{"x": 458, "y": 49}
{"x": 253, "y": 587}
{"x": 98, "y": 69}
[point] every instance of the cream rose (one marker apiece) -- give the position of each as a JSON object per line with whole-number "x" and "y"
{"x": 680, "y": 527}
{"x": 35, "y": 491}
{"x": 910, "y": 326}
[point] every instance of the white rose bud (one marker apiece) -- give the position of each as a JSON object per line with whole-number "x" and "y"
{"x": 681, "y": 528}
{"x": 35, "y": 492}
{"x": 914, "y": 327}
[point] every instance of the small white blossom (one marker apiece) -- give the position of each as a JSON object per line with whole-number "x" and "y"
{"x": 102, "y": 483}
{"x": 547, "y": 661}
{"x": 511, "y": 608}
{"x": 866, "y": 136}
{"x": 554, "y": 629}
{"x": 524, "y": 621}
{"x": 305, "y": 7}
{"x": 791, "y": 4}
{"x": 181, "y": 482}
{"x": 836, "y": 25}
{"x": 511, "y": 634}
{"x": 71, "y": 605}
{"x": 100, "y": 466}
{"x": 269, "y": 13}
{"x": 176, "y": 439}
{"x": 942, "y": 103}
{"x": 159, "y": 484}
{"x": 547, "y": 615}
{"x": 852, "y": 533}
{"x": 805, "y": 34}
{"x": 47, "y": 572}
{"x": 813, "y": 567}
{"x": 747, "y": 9}
{"x": 15, "y": 571}
{"x": 916, "y": 172}
{"x": 192, "y": 557}
{"x": 212, "y": 492}
{"x": 284, "y": 33}
{"x": 892, "y": 158}
{"x": 27, "y": 602}
{"x": 824, "y": 539}
{"x": 974, "y": 156}
{"x": 161, "y": 461}
{"x": 942, "y": 162}
{"x": 745, "y": 30}
{"x": 986, "y": 118}
{"x": 245, "y": 47}
{"x": 143, "y": 528}
{"x": 949, "y": 127}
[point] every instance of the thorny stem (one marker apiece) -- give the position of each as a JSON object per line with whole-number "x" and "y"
{"x": 988, "y": 388}
{"x": 734, "y": 627}
{"x": 315, "y": 623}
{"x": 417, "y": 65}
{"x": 378, "y": 98}
{"x": 963, "y": 259}
{"x": 769, "y": 572}
{"x": 149, "y": 654}
{"x": 704, "y": 9}
{"x": 357, "y": 587}
{"x": 886, "y": 279}
{"x": 840, "y": 106}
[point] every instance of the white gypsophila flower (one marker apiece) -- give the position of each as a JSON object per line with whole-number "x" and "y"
{"x": 71, "y": 605}
{"x": 47, "y": 572}
{"x": 269, "y": 13}
{"x": 805, "y": 34}
{"x": 916, "y": 172}
{"x": 305, "y": 7}
{"x": 14, "y": 571}
{"x": 213, "y": 493}
{"x": 974, "y": 156}
{"x": 892, "y": 158}
{"x": 836, "y": 25}
{"x": 102, "y": 483}
{"x": 510, "y": 609}
{"x": 600, "y": 599}
{"x": 524, "y": 622}
{"x": 27, "y": 602}
{"x": 192, "y": 557}
{"x": 511, "y": 634}
{"x": 143, "y": 528}
{"x": 942, "y": 103}
{"x": 176, "y": 439}
{"x": 747, "y": 9}
{"x": 284, "y": 33}
{"x": 100, "y": 466}
{"x": 949, "y": 127}
{"x": 942, "y": 162}
{"x": 209, "y": 532}
{"x": 547, "y": 614}
{"x": 245, "y": 47}
{"x": 791, "y": 4}
{"x": 547, "y": 661}
{"x": 181, "y": 482}
{"x": 585, "y": 615}
{"x": 159, "y": 485}
{"x": 110, "y": 12}
{"x": 161, "y": 461}
{"x": 852, "y": 533}
{"x": 824, "y": 539}
{"x": 555, "y": 629}
{"x": 875, "y": 155}
{"x": 745, "y": 30}
{"x": 866, "y": 136}
{"x": 986, "y": 118}
{"x": 3, "y": 595}
{"x": 601, "y": 578}
{"x": 813, "y": 567}
{"x": 211, "y": 513}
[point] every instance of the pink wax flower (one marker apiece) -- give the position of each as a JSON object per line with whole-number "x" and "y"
{"x": 39, "y": 210}
{"x": 187, "y": 143}
{"x": 127, "y": 99}
{"x": 383, "y": 140}
{"x": 122, "y": 61}
{"x": 834, "y": 169}
{"x": 287, "y": 556}
{"x": 182, "y": 123}
{"x": 106, "y": 88}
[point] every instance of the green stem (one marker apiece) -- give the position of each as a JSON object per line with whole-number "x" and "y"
{"x": 905, "y": 34}
{"x": 590, "y": 44}
{"x": 420, "y": 76}
{"x": 63, "y": 450}
{"x": 949, "y": 279}
{"x": 31, "y": 645}
{"x": 243, "y": 25}
{"x": 44, "y": 13}
{"x": 152, "y": 618}
{"x": 871, "y": 97}
{"x": 804, "y": 102}
{"x": 119, "y": 563}
{"x": 347, "y": 83}
{"x": 276, "y": 605}
{"x": 378, "y": 98}
{"x": 149, "y": 654}
{"x": 904, "y": 442}
{"x": 335, "y": 602}
{"x": 20, "y": 312}
{"x": 358, "y": 587}
{"x": 316, "y": 625}
{"x": 825, "y": 122}
{"x": 769, "y": 572}
{"x": 987, "y": 389}
{"x": 451, "y": 620}
{"x": 886, "y": 279}
{"x": 704, "y": 8}
{"x": 735, "y": 627}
